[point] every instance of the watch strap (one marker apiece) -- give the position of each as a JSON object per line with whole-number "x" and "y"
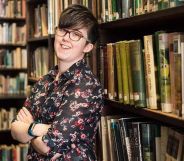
{"x": 30, "y": 129}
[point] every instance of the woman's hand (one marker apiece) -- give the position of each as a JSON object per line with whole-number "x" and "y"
{"x": 25, "y": 116}
{"x": 57, "y": 155}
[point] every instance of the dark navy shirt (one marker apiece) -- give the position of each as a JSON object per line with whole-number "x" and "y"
{"x": 72, "y": 105}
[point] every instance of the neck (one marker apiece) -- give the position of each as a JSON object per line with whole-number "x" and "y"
{"x": 63, "y": 66}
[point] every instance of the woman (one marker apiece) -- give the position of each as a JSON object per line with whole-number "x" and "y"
{"x": 60, "y": 118}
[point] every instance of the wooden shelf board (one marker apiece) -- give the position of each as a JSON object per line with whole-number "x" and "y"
{"x": 12, "y": 45}
{"x": 36, "y": 39}
{"x": 33, "y": 79}
{"x": 13, "y": 69}
{"x": 113, "y": 107}
{"x": 12, "y": 19}
{"x": 36, "y": 1}
{"x": 6, "y": 138}
{"x": 12, "y": 96}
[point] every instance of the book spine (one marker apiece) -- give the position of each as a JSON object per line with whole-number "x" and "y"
{"x": 150, "y": 72}
{"x": 124, "y": 70}
{"x": 165, "y": 83}
{"x": 119, "y": 75}
{"x": 137, "y": 71}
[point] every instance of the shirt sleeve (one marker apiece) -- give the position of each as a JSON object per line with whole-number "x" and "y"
{"x": 29, "y": 100}
{"x": 76, "y": 119}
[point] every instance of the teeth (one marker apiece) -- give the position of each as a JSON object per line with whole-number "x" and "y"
{"x": 65, "y": 47}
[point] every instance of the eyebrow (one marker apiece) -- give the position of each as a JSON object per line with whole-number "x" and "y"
{"x": 75, "y": 30}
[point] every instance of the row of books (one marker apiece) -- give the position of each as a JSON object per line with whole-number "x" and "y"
{"x": 40, "y": 24}
{"x": 13, "y": 85}
{"x": 55, "y": 7}
{"x": 127, "y": 138}
{"x": 108, "y": 10}
{"x": 13, "y": 152}
{"x": 39, "y": 62}
{"x": 6, "y": 117}
{"x": 145, "y": 73}
{"x": 16, "y": 58}
{"x": 115, "y": 9}
{"x": 91, "y": 60}
{"x": 13, "y": 8}
{"x": 12, "y": 33}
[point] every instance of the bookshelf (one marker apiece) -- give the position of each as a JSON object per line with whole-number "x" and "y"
{"x": 133, "y": 28}
{"x": 13, "y": 64}
{"x": 39, "y": 43}
{"x": 136, "y": 27}
{"x": 115, "y": 108}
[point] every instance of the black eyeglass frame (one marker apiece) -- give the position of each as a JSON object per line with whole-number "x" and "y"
{"x": 72, "y": 31}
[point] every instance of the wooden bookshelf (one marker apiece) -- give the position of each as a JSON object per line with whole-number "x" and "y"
{"x": 6, "y": 138}
{"x": 170, "y": 20}
{"x": 34, "y": 42}
{"x": 158, "y": 18}
{"x": 13, "y": 33}
{"x": 115, "y": 108}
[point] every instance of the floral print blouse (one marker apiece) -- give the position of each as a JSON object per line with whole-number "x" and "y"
{"x": 72, "y": 105}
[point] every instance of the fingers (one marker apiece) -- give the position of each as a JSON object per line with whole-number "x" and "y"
{"x": 26, "y": 112}
{"x": 25, "y": 116}
{"x": 20, "y": 117}
{"x": 57, "y": 155}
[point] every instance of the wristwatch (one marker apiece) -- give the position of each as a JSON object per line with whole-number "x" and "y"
{"x": 30, "y": 129}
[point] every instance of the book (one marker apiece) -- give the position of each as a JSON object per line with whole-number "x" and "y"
{"x": 164, "y": 75}
{"x": 137, "y": 72}
{"x": 182, "y": 77}
{"x": 124, "y": 70}
{"x": 148, "y": 141}
{"x": 126, "y": 131}
{"x": 110, "y": 64}
{"x": 117, "y": 139}
{"x": 119, "y": 73}
{"x": 150, "y": 69}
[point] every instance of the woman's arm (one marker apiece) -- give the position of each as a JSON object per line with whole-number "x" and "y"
{"x": 19, "y": 128}
{"x": 19, "y": 131}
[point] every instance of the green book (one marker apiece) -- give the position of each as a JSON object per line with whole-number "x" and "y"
{"x": 124, "y": 70}
{"x": 137, "y": 71}
{"x": 129, "y": 73}
{"x": 119, "y": 72}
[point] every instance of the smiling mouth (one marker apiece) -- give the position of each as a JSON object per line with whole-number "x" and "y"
{"x": 65, "y": 46}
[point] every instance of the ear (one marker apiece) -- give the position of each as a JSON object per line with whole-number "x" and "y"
{"x": 88, "y": 48}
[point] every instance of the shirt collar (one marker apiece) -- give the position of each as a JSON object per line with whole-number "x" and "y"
{"x": 74, "y": 69}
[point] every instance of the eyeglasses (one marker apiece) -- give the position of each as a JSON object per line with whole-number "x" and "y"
{"x": 74, "y": 35}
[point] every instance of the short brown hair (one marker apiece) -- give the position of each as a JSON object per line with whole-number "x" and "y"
{"x": 78, "y": 16}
